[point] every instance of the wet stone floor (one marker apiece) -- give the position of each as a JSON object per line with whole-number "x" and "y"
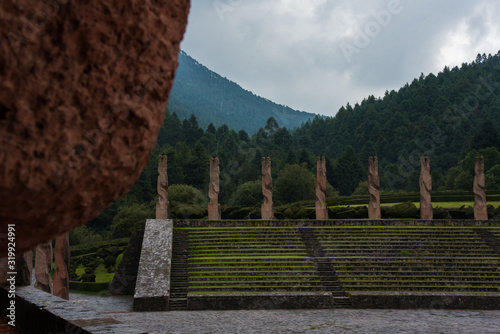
{"x": 296, "y": 321}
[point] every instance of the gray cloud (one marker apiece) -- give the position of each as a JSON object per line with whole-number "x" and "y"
{"x": 294, "y": 52}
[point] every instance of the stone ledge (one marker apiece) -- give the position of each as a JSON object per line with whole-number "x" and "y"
{"x": 256, "y": 301}
{"x": 429, "y": 300}
{"x": 40, "y": 312}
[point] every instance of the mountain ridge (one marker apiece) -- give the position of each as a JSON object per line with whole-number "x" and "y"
{"x": 215, "y": 99}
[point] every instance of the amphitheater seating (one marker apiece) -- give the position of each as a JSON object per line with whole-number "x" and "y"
{"x": 250, "y": 259}
{"x": 430, "y": 259}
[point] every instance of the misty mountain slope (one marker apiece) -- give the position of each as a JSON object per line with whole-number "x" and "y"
{"x": 214, "y": 99}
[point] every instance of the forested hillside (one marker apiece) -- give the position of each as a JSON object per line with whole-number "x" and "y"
{"x": 452, "y": 117}
{"x": 217, "y": 100}
{"x": 442, "y": 116}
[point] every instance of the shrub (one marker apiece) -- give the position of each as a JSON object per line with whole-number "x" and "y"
{"x": 247, "y": 194}
{"x": 88, "y": 277}
{"x": 295, "y": 183}
{"x": 130, "y": 217}
{"x": 295, "y": 211}
{"x": 188, "y": 212}
{"x": 403, "y": 210}
{"x": 109, "y": 261}
{"x": 184, "y": 194}
{"x": 88, "y": 286}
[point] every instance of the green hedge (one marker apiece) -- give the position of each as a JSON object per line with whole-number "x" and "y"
{"x": 186, "y": 211}
{"x": 92, "y": 287}
{"x": 92, "y": 248}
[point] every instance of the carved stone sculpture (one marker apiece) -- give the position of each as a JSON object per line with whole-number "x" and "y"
{"x": 321, "y": 208}
{"x": 213, "y": 190}
{"x": 43, "y": 266}
{"x": 267, "y": 211}
{"x": 425, "y": 189}
{"x": 373, "y": 189}
{"x": 480, "y": 210}
{"x": 83, "y": 90}
{"x": 162, "y": 205}
{"x": 62, "y": 258}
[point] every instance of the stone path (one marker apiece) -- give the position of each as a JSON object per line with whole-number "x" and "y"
{"x": 296, "y": 321}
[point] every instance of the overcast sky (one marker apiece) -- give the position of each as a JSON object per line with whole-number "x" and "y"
{"x": 317, "y": 55}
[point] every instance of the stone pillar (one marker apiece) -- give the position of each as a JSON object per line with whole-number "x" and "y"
{"x": 162, "y": 205}
{"x": 43, "y": 266}
{"x": 61, "y": 275}
{"x": 480, "y": 210}
{"x": 321, "y": 208}
{"x": 373, "y": 189}
{"x": 425, "y": 189}
{"x": 267, "y": 211}
{"x": 24, "y": 268}
{"x": 213, "y": 191}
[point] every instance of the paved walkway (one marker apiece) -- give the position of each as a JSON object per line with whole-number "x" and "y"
{"x": 297, "y": 321}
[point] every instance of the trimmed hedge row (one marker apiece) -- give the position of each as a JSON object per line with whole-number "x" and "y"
{"x": 92, "y": 248}
{"x": 437, "y": 196}
{"x": 87, "y": 286}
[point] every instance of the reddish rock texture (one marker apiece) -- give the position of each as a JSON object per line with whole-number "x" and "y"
{"x": 61, "y": 259}
{"x": 266, "y": 209}
{"x": 425, "y": 189}
{"x": 373, "y": 189}
{"x": 321, "y": 207}
{"x": 82, "y": 97}
{"x": 480, "y": 208}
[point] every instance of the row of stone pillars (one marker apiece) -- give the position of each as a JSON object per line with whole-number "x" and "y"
{"x": 44, "y": 256}
{"x": 214, "y": 213}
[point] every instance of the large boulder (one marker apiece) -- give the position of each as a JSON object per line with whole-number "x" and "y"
{"x": 82, "y": 97}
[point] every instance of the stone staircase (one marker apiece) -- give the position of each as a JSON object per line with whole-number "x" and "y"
{"x": 411, "y": 259}
{"x": 179, "y": 272}
{"x": 489, "y": 238}
{"x": 327, "y": 274}
{"x": 245, "y": 261}
{"x": 250, "y": 260}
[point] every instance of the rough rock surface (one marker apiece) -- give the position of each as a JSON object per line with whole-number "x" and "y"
{"x": 267, "y": 211}
{"x": 425, "y": 188}
{"x": 61, "y": 274}
{"x": 374, "y": 189}
{"x": 321, "y": 208}
{"x": 82, "y": 97}
{"x": 43, "y": 266}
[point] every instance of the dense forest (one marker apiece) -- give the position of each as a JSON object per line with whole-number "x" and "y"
{"x": 217, "y": 100}
{"x": 451, "y": 117}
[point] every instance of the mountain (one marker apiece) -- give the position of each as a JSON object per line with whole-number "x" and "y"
{"x": 217, "y": 100}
